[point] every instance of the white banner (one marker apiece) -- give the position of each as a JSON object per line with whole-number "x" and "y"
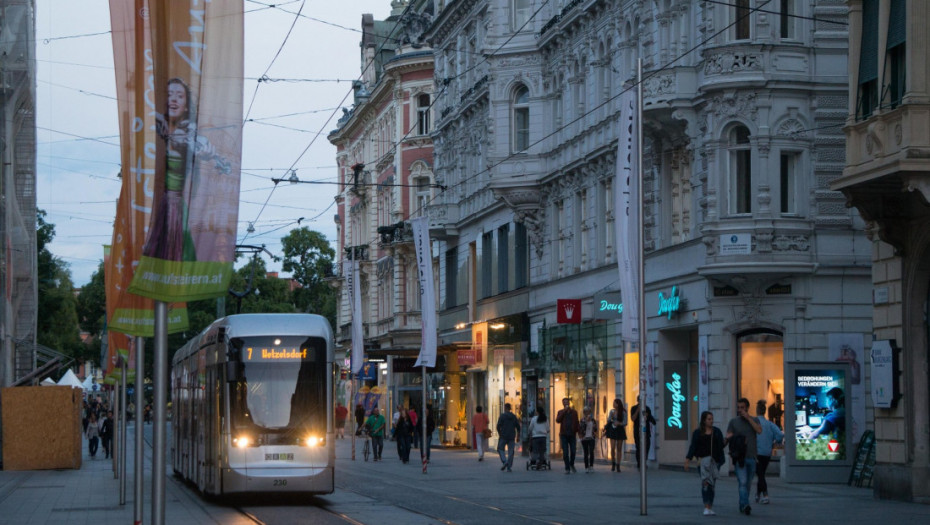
{"x": 626, "y": 211}
{"x": 427, "y": 293}
{"x": 355, "y": 304}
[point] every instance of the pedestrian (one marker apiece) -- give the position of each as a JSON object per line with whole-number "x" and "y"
{"x": 508, "y": 429}
{"x": 403, "y": 432}
{"x": 415, "y": 424}
{"x": 707, "y": 446}
{"x": 93, "y": 435}
{"x": 567, "y": 418}
{"x": 427, "y": 443}
{"x": 394, "y": 419}
{"x": 106, "y": 432}
{"x": 588, "y": 433}
{"x": 481, "y": 426}
{"x": 85, "y": 413}
{"x": 539, "y": 434}
{"x": 765, "y": 442}
{"x": 637, "y": 431}
{"x": 342, "y": 413}
{"x": 376, "y": 423}
{"x": 616, "y": 433}
{"x": 741, "y": 438}
{"x": 359, "y": 418}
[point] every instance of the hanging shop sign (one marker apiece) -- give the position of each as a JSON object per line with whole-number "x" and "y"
{"x": 676, "y": 400}
{"x": 568, "y": 311}
{"x": 884, "y": 370}
{"x": 607, "y": 305}
{"x": 670, "y": 304}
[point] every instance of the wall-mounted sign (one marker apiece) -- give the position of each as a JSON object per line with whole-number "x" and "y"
{"x": 725, "y": 291}
{"x": 884, "y": 371}
{"x": 778, "y": 289}
{"x": 369, "y": 372}
{"x": 736, "y": 244}
{"x": 466, "y": 357}
{"x": 676, "y": 388}
{"x": 608, "y": 305}
{"x": 670, "y": 304}
{"x": 568, "y": 311}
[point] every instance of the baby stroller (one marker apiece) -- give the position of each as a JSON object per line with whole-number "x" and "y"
{"x": 538, "y": 459}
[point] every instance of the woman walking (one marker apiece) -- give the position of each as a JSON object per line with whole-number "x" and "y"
{"x": 588, "y": 433}
{"x": 93, "y": 435}
{"x": 539, "y": 434}
{"x": 482, "y": 431}
{"x": 616, "y": 433}
{"x": 707, "y": 446}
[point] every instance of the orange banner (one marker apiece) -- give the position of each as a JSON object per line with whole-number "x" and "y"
{"x": 127, "y": 313}
{"x": 197, "y": 61}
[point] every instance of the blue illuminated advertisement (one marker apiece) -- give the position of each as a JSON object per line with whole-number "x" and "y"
{"x": 820, "y": 414}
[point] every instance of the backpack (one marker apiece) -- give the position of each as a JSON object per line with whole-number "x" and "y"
{"x": 738, "y": 449}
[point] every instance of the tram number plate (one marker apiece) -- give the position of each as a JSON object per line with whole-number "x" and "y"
{"x": 280, "y": 483}
{"x": 280, "y": 457}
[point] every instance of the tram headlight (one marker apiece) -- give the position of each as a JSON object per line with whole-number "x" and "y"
{"x": 314, "y": 441}
{"x": 241, "y": 441}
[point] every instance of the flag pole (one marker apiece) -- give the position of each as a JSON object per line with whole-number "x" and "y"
{"x": 643, "y": 421}
{"x": 139, "y": 463}
{"x": 160, "y": 380}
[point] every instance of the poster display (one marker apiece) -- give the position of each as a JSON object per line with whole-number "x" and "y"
{"x": 820, "y": 407}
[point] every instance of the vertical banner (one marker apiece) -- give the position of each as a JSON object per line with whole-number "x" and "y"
{"x": 703, "y": 375}
{"x": 626, "y": 196}
{"x": 650, "y": 356}
{"x": 196, "y": 88}
{"x": 128, "y": 313}
{"x": 351, "y": 272}
{"x": 849, "y": 348}
{"x": 427, "y": 293}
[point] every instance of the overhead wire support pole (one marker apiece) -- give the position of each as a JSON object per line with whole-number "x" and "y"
{"x": 139, "y": 463}
{"x": 643, "y": 420}
{"x": 160, "y": 380}
{"x": 122, "y": 447}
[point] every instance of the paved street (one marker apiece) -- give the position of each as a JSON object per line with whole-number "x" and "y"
{"x": 457, "y": 490}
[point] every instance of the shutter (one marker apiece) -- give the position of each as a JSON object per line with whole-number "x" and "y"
{"x": 868, "y": 55}
{"x": 897, "y": 26}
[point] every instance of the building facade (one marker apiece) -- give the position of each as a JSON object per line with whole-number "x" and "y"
{"x": 384, "y": 158}
{"x": 887, "y": 178}
{"x": 19, "y": 304}
{"x": 766, "y": 268}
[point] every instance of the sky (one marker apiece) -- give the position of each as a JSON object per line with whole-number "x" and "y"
{"x": 78, "y": 133}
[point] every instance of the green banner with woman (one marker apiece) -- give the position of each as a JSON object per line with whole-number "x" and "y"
{"x": 197, "y": 61}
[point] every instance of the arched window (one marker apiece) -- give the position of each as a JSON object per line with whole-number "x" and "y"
{"x": 520, "y": 120}
{"x": 423, "y": 104}
{"x": 740, "y": 168}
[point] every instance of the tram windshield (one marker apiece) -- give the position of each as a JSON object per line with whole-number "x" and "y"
{"x": 283, "y": 384}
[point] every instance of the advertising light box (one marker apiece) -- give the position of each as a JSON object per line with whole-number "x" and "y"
{"x": 817, "y": 403}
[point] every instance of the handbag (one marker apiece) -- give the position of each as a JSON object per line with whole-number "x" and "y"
{"x": 486, "y": 433}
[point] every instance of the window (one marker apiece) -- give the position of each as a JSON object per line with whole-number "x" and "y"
{"x": 452, "y": 275}
{"x": 788, "y": 175}
{"x": 867, "y": 98}
{"x": 503, "y": 258}
{"x": 423, "y": 104}
{"x": 761, "y": 367}
{"x": 740, "y": 171}
{"x": 787, "y": 19}
{"x": 423, "y": 195}
{"x": 895, "y": 67}
{"x": 522, "y": 12}
{"x": 521, "y": 119}
{"x": 741, "y": 19}
{"x": 520, "y": 257}
{"x": 487, "y": 263}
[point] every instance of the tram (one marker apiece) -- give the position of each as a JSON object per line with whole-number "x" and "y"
{"x": 253, "y": 406}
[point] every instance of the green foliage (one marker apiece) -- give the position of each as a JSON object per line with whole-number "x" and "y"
{"x": 309, "y": 258}
{"x": 92, "y": 304}
{"x": 57, "y": 325}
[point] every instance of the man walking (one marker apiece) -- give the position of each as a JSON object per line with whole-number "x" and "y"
{"x": 106, "y": 433}
{"x": 567, "y": 418}
{"x": 508, "y": 428}
{"x": 342, "y": 413}
{"x": 376, "y": 424}
{"x": 741, "y": 436}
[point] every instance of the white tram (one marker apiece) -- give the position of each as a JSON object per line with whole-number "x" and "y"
{"x": 253, "y": 405}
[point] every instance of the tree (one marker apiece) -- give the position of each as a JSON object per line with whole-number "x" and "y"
{"x": 92, "y": 304}
{"x": 57, "y": 326}
{"x": 309, "y": 258}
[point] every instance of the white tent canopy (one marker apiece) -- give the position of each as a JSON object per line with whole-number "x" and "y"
{"x": 69, "y": 379}
{"x": 48, "y": 381}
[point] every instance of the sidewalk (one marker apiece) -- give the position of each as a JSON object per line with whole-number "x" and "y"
{"x": 90, "y": 495}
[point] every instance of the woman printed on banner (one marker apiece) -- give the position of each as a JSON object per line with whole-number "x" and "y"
{"x": 169, "y": 236}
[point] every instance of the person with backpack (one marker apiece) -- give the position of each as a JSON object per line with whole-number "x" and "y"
{"x": 741, "y": 436}
{"x": 706, "y": 446}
